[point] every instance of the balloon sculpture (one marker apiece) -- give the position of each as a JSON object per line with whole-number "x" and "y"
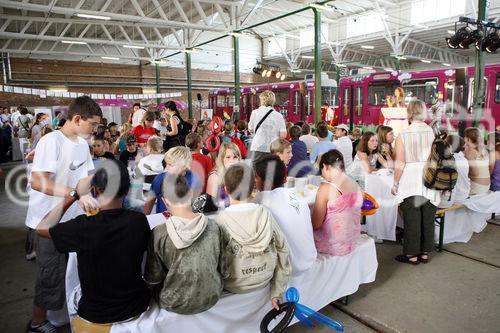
{"x": 369, "y": 206}
{"x": 303, "y": 313}
{"x": 213, "y": 141}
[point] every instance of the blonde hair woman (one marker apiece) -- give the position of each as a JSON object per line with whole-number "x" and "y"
{"x": 229, "y": 154}
{"x": 418, "y": 203}
{"x": 120, "y": 145}
{"x": 266, "y": 124}
{"x": 177, "y": 161}
{"x": 476, "y": 154}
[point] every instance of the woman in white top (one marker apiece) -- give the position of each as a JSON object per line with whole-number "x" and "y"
{"x": 367, "y": 155}
{"x": 273, "y": 127}
{"x": 418, "y": 203}
{"x": 478, "y": 158}
{"x": 151, "y": 164}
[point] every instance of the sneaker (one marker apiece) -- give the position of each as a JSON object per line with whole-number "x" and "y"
{"x": 46, "y": 327}
{"x": 31, "y": 256}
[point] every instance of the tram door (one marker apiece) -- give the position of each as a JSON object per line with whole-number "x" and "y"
{"x": 352, "y": 104}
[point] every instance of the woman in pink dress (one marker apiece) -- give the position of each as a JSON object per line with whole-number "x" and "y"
{"x": 337, "y": 210}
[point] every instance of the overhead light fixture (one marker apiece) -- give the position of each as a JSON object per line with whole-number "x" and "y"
{"x": 294, "y": 71}
{"x": 388, "y": 69}
{"x": 73, "y": 42}
{"x": 367, "y": 67}
{"x": 419, "y": 25}
{"x": 322, "y": 7}
{"x": 278, "y": 75}
{"x": 400, "y": 57}
{"x": 264, "y": 72}
{"x": 455, "y": 40}
{"x": 425, "y": 61}
{"x": 235, "y": 34}
{"x": 307, "y": 57}
{"x": 341, "y": 65}
{"x": 334, "y": 43}
{"x": 269, "y": 73}
{"x": 97, "y": 17}
{"x": 283, "y": 77}
{"x": 367, "y": 47}
{"x": 451, "y": 32}
{"x": 110, "y": 58}
{"x": 491, "y": 43}
{"x": 134, "y": 47}
{"x": 189, "y": 51}
{"x": 472, "y": 38}
{"x": 446, "y": 64}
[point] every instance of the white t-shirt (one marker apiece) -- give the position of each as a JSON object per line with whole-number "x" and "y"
{"x": 268, "y": 131}
{"x": 137, "y": 117}
{"x": 154, "y": 161}
{"x": 344, "y": 145}
{"x": 309, "y": 140}
{"x": 68, "y": 162}
{"x": 294, "y": 218}
{"x": 329, "y": 114}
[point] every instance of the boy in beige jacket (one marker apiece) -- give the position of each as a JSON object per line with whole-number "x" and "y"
{"x": 255, "y": 248}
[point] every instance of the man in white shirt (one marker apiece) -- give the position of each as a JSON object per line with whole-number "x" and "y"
{"x": 344, "y": 144}
{"x": 272, "y": 126}
{"x": 292, "y": 213}
{"x": 307, "y": 138}
{"x": 137, "y": 115}
{"x": 60, "y": 170}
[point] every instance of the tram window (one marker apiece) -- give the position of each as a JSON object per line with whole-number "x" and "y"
{"x": 378, "y": 92}
{"x": 221, "y": 100}
{"x": 346, "y": 101}
{"x": 244, "y": 101}
{"x": 230, "y": 100}
{"x": 282, "y": 98}
{"x": 296, "y": 102}
{"x": 497, "y": 90}
{"x": 359, "y": 100}
{"x": 309, "y": 102}
{"x": 423, "y": 89}
{"x": 329, "y": 95}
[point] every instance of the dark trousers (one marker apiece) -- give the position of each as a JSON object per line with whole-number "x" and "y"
{"x": 418, "y": 215}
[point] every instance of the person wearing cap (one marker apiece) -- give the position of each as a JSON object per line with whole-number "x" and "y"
{"x": 131, "y": 152}
{"x": 344, "y": 144}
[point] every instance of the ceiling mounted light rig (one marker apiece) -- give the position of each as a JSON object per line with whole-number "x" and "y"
{"x": 466, "y": 36}
{"x": 266, "y": 70}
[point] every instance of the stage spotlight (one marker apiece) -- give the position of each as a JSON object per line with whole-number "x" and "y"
{"x": 278, "y": 75}
{"x": 269, "y": 73}
{"x": 283, "y": 77}
{"x": 264, "y": 72}
{"x": 491, "y": 43}
{"x": 471, "y": 38}
{"x": 454, "y": 41}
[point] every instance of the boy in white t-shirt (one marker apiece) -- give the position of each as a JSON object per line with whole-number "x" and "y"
{"x": 60, "y": 170}
{"x": 292, "y": 213}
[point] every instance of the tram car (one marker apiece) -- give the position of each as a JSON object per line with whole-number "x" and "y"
{"x": 294, "y": 99}
{"x": 361, "y": 97}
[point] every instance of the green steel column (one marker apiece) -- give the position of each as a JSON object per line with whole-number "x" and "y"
{"x": 236, "y": 62}
{"x": 189, "y": 84}
{"x": 317, "y": 65}
{"x": 479, "y": 87}
{"x": 158, "y": 89}
{"x": 398, "y": 64}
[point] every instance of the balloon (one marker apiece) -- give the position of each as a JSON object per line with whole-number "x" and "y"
{"x": 369, "y": 206}
{"x": 213, "y": 141}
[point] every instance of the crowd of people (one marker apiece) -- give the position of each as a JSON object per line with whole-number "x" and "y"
{"x": 82, "y": 173}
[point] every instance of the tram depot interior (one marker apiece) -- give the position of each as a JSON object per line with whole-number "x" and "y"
{"x": 199, "y": 51}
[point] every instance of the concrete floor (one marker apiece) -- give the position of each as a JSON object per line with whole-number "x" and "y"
{"x": 450, "y": 294}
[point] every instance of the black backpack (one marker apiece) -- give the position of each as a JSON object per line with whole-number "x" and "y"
{"x": 440, "y": 171}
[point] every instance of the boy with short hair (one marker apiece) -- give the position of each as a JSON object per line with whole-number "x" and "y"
{"x": 130, "y": 153}
{"x": 184, "y": 254}
{"x": 177, "y": 161}
{"x": 253, "y": 244}
{"x": 60, "y": 169}
{"x": 110, "y": 248}
{"x": 292, "y": 213}
{"x": 323, "y": 145}
{"x": 201, "y": 164}
{"x": 283, "y": 149}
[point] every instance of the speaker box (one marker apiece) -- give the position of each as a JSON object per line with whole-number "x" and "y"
{"x": 198, "y": 95}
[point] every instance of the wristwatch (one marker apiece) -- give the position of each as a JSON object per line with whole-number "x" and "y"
{"x": 73, "y": 193}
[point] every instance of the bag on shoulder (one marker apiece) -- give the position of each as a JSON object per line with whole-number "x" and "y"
{"x": 184, "y": 129}
{"x": 204, "y": 203}
{"x": 440, "y": 171}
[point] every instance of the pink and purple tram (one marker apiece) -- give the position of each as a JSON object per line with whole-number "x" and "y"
{"x": 294, "y": 99}
{"x": 362, "y": 96}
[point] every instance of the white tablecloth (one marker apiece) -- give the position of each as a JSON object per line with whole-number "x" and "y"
{"x": 383, "y": 223}
{"x": 329, "y": 279}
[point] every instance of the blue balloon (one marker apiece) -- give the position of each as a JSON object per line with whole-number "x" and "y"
{"x": 305, "y": 314}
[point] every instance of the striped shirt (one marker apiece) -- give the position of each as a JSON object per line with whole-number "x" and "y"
{"x": 417, "y": 140}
